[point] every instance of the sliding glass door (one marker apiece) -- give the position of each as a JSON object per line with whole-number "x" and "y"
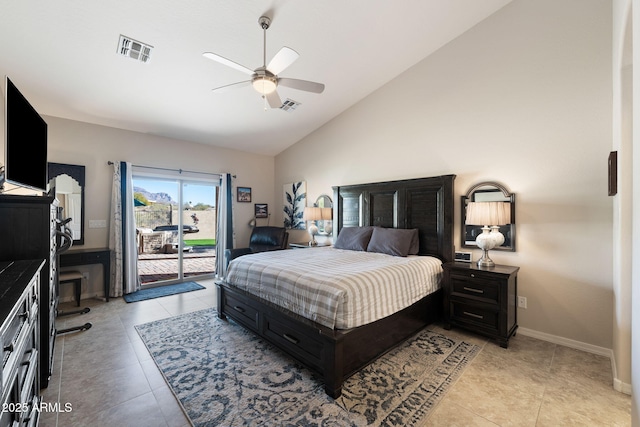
{"x": 199, "y": 219}
{"x": 175, "y": 226}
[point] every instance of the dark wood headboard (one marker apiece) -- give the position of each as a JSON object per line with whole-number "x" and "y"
{"x": 422, "y": 203}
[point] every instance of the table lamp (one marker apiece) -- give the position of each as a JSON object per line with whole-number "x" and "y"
{"x": 490, "y": 215}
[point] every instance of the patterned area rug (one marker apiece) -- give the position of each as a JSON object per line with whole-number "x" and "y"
{"x": 224, "y": 375}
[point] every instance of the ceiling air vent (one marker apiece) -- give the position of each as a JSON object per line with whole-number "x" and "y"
{"x": 289, "y": 105}
{"x": 134, "y": 49}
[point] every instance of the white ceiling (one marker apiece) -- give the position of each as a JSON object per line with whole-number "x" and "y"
{"x": 62, "y": 55}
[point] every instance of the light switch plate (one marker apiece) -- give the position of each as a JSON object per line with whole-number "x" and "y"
{"x": 97, "y": 223}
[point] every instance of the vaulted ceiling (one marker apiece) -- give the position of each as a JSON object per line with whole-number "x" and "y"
{"x": 63, "y": 55}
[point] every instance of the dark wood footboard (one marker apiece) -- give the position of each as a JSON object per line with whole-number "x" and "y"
{"x": 334, "y": 354}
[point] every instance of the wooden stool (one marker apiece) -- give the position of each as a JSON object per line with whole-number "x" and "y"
{"x": 74, "y": 277}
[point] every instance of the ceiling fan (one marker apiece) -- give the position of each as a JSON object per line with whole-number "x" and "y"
{"x": 265, "y": 79}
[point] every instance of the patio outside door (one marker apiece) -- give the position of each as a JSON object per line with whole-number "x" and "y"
{"x": 176, "y": 225}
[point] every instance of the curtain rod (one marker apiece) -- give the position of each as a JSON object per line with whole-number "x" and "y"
{"x": 170, "y": 170}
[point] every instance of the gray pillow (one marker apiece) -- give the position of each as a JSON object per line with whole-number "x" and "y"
{"x": 394, "y": 241}
{"x": 354, "y": 238}
{"x": 414, "y": 248}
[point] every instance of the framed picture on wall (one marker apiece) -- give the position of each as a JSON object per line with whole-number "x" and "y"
{"x": 295, "y": 199}
{"x": 244, "y": 194}
{"x": 262, "y": 210}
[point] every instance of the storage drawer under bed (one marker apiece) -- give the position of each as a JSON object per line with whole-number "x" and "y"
{"x": 241, "y": 311}
{"x": 294, "y": 340}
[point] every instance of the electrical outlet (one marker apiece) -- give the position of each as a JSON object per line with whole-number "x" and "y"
{"x": 522, "y": 302}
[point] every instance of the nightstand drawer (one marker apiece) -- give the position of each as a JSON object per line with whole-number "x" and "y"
{"x": 475, "y": 315}
{"x": 477, "y": 288}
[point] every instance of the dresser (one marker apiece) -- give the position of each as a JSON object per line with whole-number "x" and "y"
{"x": 28, "y": 231}
{"x": 20, "y": 333}
{"x": 481, "y": 299}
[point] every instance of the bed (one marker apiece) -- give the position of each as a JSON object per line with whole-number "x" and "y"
{"x": 332, "y": 347}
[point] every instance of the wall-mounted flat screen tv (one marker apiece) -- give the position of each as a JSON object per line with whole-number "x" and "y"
{"x": 25, "y": 160}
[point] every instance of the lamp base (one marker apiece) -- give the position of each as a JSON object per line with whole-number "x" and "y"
{"x": 486, "y": 242}
{"x": 485, "y": 261}
{"x": 313, "y": 230}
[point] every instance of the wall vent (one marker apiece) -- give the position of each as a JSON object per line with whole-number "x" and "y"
{"x": 134, "y": 49}
{"x": 289, "y": 105}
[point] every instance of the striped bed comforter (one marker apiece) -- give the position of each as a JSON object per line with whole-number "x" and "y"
{"x": 337, "y": 288}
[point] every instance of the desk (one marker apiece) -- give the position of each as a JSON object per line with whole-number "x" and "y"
{"x": 75, "y": 257}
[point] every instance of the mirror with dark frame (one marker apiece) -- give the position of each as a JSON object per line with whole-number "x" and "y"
{"x": 488, "y": 192}
{"x": 325, "y": 227}
{"x": 68, "y": 182}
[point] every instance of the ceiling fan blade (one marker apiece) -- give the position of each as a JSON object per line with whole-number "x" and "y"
{"x": 302, "y": 85}
{"x": 227, "y": 62}
{"x": 274, "y": 99}
{"x": 225, "y": 88}
{"x": 285, "y": 57}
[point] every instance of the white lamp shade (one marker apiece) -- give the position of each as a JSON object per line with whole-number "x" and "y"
{"x": 327, "y": 213}
{"x": 488, "y": 213}
{"x": 312, "y": 214}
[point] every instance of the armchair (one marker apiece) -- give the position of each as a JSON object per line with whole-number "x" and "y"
{"x": 262, "y": 239}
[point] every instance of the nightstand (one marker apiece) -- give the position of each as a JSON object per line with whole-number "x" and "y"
{"x": 481, "y": 299}
{"x": 306, "y": 245}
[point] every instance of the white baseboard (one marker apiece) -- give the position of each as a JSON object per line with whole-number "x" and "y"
{"x": 589, "y": 348}
{"x": 621, "y": 387}
{"x": 578, "y": 345}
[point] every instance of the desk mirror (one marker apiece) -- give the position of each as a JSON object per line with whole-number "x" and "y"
{"x": 68, "y": 183}
{"x": 488, "y": 192}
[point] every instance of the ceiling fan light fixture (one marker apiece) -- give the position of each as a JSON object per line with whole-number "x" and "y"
{"x": 264, "y": 84}
{"x": 265, "y": 79}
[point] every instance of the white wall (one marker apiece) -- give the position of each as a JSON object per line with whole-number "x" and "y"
{"x": 525, "y": 99}
{"x": 631, "y": 9}
{"x": 622, "y": 60}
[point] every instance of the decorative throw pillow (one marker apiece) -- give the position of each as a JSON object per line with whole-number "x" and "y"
{"x": 393, "y": 241}
{"x": 354, "y": 238}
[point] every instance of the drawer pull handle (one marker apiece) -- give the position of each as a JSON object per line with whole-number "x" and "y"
{"x": 478, "y": 291}
{"x": 473, "y": 275}
{"x": 477, "y": 316}
{"x": 238, "y": 308}
{"x": 24, "y": 315}
{"x": 291, "y": 339}
{"x": 9, "y": 348}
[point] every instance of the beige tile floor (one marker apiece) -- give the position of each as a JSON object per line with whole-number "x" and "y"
{"x": 108, "y": 378}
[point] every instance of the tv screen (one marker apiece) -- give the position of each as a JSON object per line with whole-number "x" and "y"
{"x": 25, "y": 160}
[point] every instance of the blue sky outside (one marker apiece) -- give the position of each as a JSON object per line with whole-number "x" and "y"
{"x": 193, "y": 193}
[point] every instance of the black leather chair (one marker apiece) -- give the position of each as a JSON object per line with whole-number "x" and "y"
{"x": 262, "y": 239}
